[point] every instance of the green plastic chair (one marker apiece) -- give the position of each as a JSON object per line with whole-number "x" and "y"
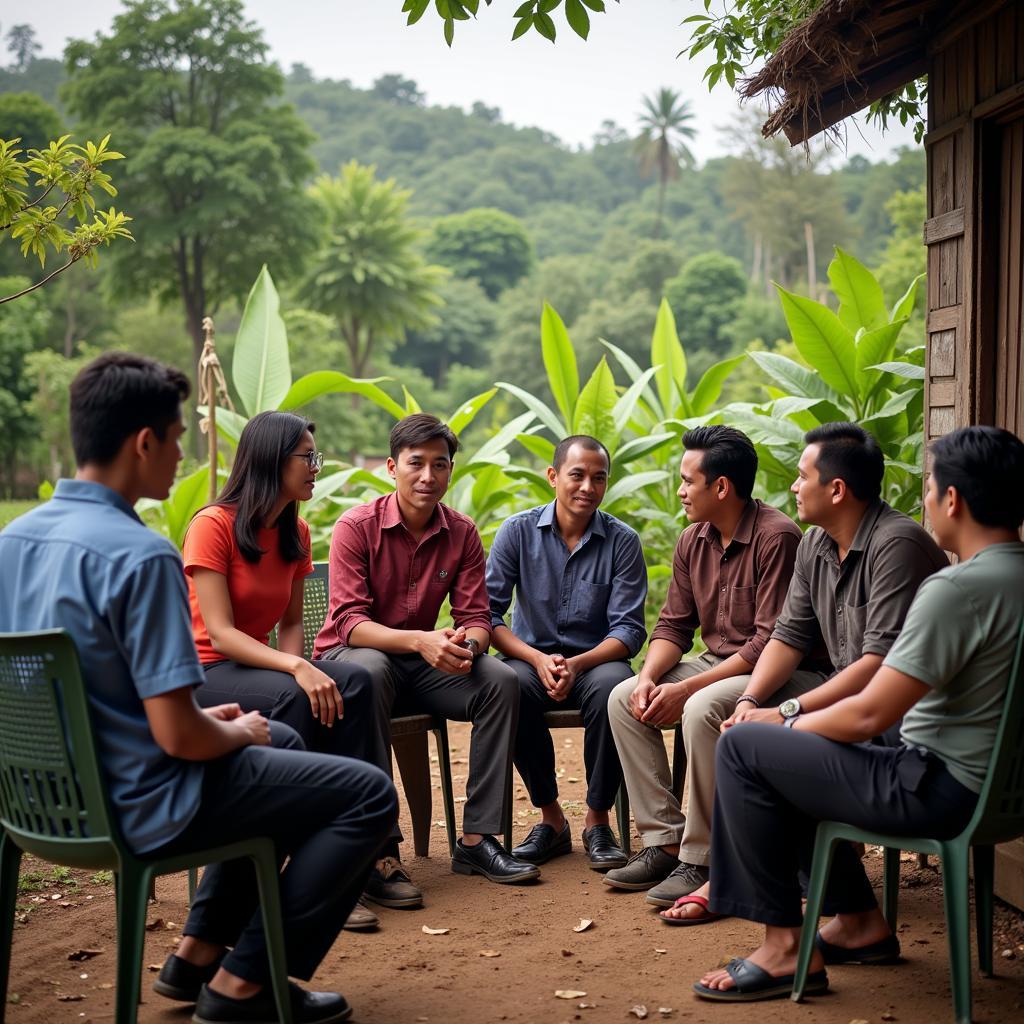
{"x": 998, "y": 818}
{"x": 53, "y": 805}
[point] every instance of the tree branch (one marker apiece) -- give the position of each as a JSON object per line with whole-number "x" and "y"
{"x": 39, "y": 284}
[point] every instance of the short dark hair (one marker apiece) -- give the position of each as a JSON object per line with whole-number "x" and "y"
{"x": 726, "y": 452}
{"x": 986, "y": 466}
{"x": 849, "y": 452}
{"x": 117, "y": 395}
{"x": 267, "y": 441}
{"x": 418, "y": 429}
{"x": 585, "y": 441}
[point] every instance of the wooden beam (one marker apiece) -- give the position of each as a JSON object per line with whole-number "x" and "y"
{"x": 960, "y": 20}
{"x": 947, "y": 318}
{"x": 946, "y": 225}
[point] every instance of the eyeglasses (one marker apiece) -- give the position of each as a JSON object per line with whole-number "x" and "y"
{"x": 315, "y": 460}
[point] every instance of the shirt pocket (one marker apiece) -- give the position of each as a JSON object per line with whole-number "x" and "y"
{"x": 742, "y": 609}
{"x": 590, "y": 600}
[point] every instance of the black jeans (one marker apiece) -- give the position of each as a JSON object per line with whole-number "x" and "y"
{"x": 328, "y": 815}
{"x": 772, "y": 787}
{"x": 278, "y": 697}
{"x": 534, "y": 751}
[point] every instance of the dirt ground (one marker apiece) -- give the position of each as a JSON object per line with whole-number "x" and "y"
{"x": 626, "y": 965}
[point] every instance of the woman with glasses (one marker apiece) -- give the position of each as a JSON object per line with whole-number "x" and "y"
{"x": 246, "y": 557}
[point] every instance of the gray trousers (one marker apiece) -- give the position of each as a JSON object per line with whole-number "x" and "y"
{"x": 488, "y": 697}
{"x": 656, "y": 809}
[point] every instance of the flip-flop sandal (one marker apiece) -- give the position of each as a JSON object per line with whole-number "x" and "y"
{"x": 706, "y": 918}
{"x": 885, "y": 951}
{"x": 753, "y": 983}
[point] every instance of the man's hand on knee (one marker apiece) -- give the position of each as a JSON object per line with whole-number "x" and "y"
{"x": 641, "y": 697}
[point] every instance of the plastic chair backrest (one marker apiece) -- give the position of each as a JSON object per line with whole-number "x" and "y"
{"x": 47, "y": 793}
{"x": 1000, "y": 812}
{"x": 315, "y": 602}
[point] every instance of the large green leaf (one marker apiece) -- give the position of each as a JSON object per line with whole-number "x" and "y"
{"x": 260, "y": 367}
{"x": 187, "y": 497}
{"x": 466, "y": 413}
{"x": 229, "y": 423}
{"x": 861, "y": 302}
{"x": 629, "y": 485}
{"x": 325, "y": 382}
{"x": 329, "y": 486}
{"x": 633, "y": 371}
{"x": 792, "y": 377}
{"x": 539, "y": 446}
{"x": 627, "y": 402}
{"x": 593, "y": 414}
{"x": 905, "y": 306}
{"x": 540, "y": 409}
{"x": 822, "y": 340}
{"x": 709, "y": 387}
{"x": 495, "y": 449}
{"x": 668, "y": 355}
{"x": 764, "y": 428}
{"x": 641, "y": 446}
{"x": 909, "y": 371}
{"x": 559, "y": 361}
{"x": 873, "y": 347}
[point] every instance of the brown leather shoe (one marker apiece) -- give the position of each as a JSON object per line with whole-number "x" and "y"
{"x": 389, "y": 885}
{"x": 362, "y": 918}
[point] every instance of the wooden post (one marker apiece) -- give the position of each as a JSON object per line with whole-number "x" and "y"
{"x": 211, "y": 404}
{"x": 812, "y": 269}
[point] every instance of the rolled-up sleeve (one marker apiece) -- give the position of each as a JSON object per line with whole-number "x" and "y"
{"x": 797, "y": 625}
{"x": 502, "y": 571}
{"x": 351, "y": 601}
{"x": 775, "y": 559}
{"x": 468, "y": 595}
{"x": 628, "y": 594}
{"x": 679, "y": 617}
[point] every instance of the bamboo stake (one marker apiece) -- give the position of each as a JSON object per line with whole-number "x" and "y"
{"x": 212, "y": 388}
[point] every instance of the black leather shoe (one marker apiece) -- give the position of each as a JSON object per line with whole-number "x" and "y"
{"x": 543, "y": 843}
{"x": 488, "y": 858}
{"x": 389, "y": 885}
{"x": 307, "y": 1007}
{"x": 603, "y": 852}
{"x": 178, "y": 979}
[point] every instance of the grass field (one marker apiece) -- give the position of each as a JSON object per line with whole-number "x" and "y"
{"x": 12, "y": 509}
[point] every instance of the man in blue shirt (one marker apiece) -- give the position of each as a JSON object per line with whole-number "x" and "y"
{"x": 580, "y": 583}
{"x": 181, "y": 778}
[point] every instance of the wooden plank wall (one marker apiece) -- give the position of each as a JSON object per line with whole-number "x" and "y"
{"x": 975, "y": 239}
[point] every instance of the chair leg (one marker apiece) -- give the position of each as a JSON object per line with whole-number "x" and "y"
{"x": 955, "y": 891}
{"x": 891, "y": 885}
{"x": 268, "y": 878}
{"x": 193, "y": 882}
{"x": 984, "y": 904}
{"x": 134, "y": 881}
{"x": 414, "y": 764}
{"x": 622, "y": 814}
{"x": 678, "y": 761}
{"x": 821, "y": 862}
{"x": 444, "y": 760}
{"x": 507, "y": 814}
{"x": 10, "y": 861}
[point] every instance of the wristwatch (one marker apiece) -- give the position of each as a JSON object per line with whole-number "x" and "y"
{"x": 472, "y": 645}
{"x": 788, "y": 723}
{"x": 790, "y": 708}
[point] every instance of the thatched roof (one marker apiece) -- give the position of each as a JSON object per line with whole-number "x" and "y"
{"x": 846, "y": 55}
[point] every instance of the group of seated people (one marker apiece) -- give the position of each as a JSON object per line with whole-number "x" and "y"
{"x": 886, "y": 665}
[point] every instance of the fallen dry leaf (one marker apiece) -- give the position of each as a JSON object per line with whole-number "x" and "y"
{"x": 568, "y": 993}
{"x": 572, "y": 778}
{"x": 665, "y": 1010}
{"x": 585, "y": 923}
{"x": 888, "y": 1016}
{"x": 84, "y": 954}
{"x": 153, "y": 967}
{"x": 586, "y": 1006}
{"x": 489, "y": 952}
{"x": 566, "y": 952}
{"x": 639, "y": 1012}
{"x": 435, "y": 931}
{"x": 858, "y": 1021}
{"x": 152, "y": 926}
{"x": 661, "y": 951}
{"x": 69, "y": 999}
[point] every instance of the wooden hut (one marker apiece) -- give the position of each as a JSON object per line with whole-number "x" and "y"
{"x": 850, "y": 53}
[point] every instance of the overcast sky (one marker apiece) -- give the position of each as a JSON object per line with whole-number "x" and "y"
{"x": 567, "y": 88}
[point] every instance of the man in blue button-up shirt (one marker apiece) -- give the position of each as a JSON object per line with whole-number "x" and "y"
{"x": 580, "y": 584}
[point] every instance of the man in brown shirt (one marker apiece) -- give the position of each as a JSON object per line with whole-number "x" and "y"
{"x": 730, "y": 572}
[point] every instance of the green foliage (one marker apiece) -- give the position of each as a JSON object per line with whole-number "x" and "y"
{"x": 661, "y": 145}
{"x": 21, "y": 42}
{"x": 12, "y": 509}
{"x": 29, "y": 119}
{"x": 705, "y": 297}
{"x": 368, "y": 274}
{"x": 487, "y": 245}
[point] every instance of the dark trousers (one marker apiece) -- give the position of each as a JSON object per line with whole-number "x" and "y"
{"x": 327, "y": 815}
{"x": 488, "y": 697}
{"x": 772, "y": 787}
{"x": 534, "y": 751}
{"x": 278, "y": 697}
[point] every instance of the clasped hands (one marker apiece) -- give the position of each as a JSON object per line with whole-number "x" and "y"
{"x": 746, "y": 712}
{"x": 442, "y": 649}
{"x": 557, "y": 674}
{"x": 658, "y": 704}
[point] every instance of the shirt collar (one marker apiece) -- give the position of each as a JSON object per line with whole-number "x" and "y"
{"x": 595, "y": 526}
{"x": 90, "y": 491}
{"x": 867, "y": 524}
{"x": 393, "y": 516}
{"x": 744, "y": 527}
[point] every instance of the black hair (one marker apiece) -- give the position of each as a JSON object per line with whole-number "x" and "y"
{"x": 849, "y": 452}
{"x": 726, "y": 452}
{"x": 586, "y": 442}
{"x": 255, "y": 482}
{"x": 986, "y": 466}
{"x": 117, "y": 395}
{"x": 418, "y": 429}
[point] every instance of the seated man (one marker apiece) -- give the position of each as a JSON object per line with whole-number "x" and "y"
{"x": 393, "y": 562}
{"x": 946, "y": 677}
{"x": 181, "y": 778}
{"x": 857, "y": 571}
{"x": 729, "y": 577}
{"x": 580, "y": 583}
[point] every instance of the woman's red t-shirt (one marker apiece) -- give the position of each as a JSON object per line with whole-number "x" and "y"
{"x": 259, "y": 592}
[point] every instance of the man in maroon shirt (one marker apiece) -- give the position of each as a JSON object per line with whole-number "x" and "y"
{"x": 393, "y": 562}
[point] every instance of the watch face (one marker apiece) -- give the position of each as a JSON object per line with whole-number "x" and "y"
{"x": 789, "y": 708}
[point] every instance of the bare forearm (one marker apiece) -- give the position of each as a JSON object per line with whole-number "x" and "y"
{"x": 734, "y": 665}
{"x": 481, "y": 636}
{"x": 291, "y": 639}
{"x": 507, "y": 643}
{"x": 384, "y": 638}
{"x": 662, "y": 655}
{"x": 844, "y": 684}
{"x": 851, "y": 720}
{"x": 237, "y": 646}
{"x": 607, "y": 650}
{"x": 774, "y": 668}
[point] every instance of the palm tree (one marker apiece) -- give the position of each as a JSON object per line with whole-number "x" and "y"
{"x": 661, "y": 145}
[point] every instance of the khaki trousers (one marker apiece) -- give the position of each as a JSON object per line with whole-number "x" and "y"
{"x": 656, "y": 809}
